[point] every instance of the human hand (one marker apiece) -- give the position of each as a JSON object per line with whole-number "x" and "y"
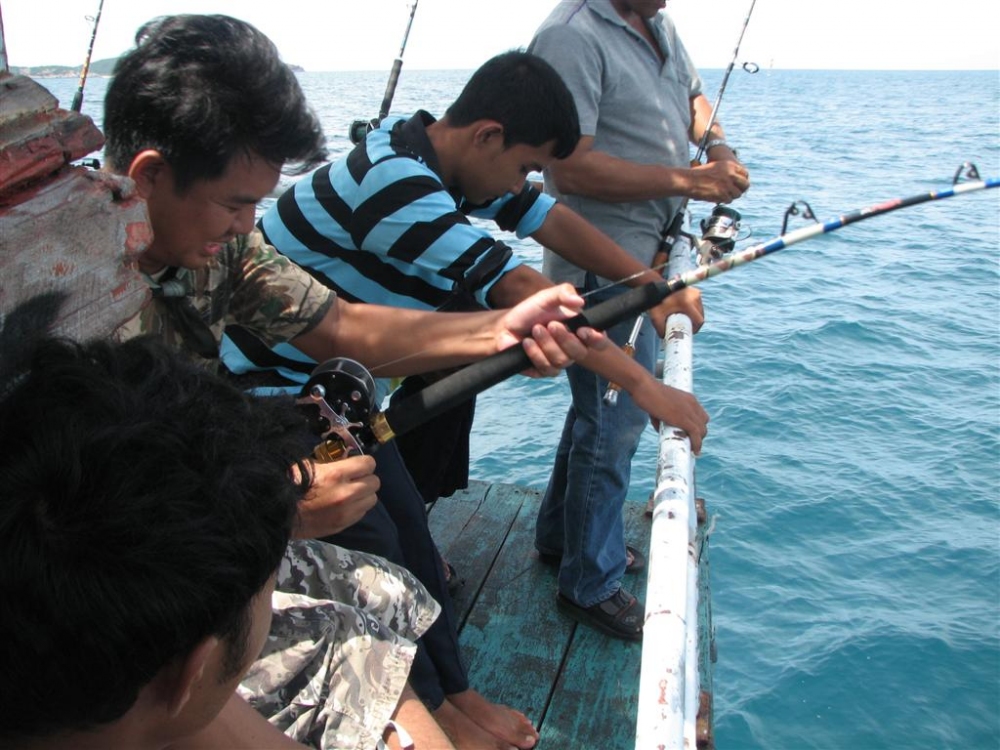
{"x": 666, "y": 405}
{"x": 686, "y": 301}
{"x": 551, "y": 346}
{"x": 340, "y": 494}
{"x": 719, "y": 181}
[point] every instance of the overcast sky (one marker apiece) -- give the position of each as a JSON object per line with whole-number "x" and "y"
{"x": 461, "y": 34}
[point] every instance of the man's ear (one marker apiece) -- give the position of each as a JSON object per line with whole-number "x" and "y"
{"x": 488, "y": 133}
{"x": 147, "y": 169}
{"x": 189, "y": 671}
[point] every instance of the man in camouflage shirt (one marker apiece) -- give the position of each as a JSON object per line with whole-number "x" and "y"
{"x": 203, "y": 116}
{"x": 336, "y": 661}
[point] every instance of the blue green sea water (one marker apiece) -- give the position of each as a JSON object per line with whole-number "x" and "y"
{"x": 853, "y": 458}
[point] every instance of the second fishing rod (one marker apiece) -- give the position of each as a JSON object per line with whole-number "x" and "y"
{"x": 360, "y": 128}
{"x": 340, "y": 393}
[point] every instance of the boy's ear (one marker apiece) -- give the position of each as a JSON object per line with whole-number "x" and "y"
{"x": 488, "y": 133}
{"x": 146, "y": 170}
{"x": 184, "y": 680}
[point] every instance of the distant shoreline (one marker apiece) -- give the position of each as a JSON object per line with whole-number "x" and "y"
{"x": 61, "y": 71}
{"x": 98, "y": 69}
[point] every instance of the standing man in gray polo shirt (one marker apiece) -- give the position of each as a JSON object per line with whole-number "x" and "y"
{"x": 640, "y": 105}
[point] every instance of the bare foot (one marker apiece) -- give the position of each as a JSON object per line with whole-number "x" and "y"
{"x": 500, "y": 721}
{"x": 464, "y": 733}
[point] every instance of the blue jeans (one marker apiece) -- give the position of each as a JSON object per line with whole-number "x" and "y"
{"x": 581, "y": 512}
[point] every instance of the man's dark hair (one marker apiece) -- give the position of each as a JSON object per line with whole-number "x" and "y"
{"x": 201, "y": 89}
{"x": 145, "y": 503}
{"x": 527, "y": 96}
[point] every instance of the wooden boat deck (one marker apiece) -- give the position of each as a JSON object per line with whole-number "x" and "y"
{"x": 579, "y": 687}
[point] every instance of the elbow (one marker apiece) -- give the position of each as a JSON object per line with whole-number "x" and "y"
{"x": 566, "y": 181}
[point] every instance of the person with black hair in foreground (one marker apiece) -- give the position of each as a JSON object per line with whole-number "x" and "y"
{"x": 147, "y": 506}
{"x": 203, "y": 116}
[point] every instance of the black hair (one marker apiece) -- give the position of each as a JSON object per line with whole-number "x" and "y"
{"x": 201, "y": 89}
{"x": 145, "y": 503}
{"x": 527, "y": 96}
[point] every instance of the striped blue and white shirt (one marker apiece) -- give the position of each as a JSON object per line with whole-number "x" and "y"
{"x": 380, "y": 226}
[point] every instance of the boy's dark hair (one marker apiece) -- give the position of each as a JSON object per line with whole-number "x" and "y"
{"x": 527, "y": 96}
{"x": 145, "y": 504}
{"x": 201, "y": 89}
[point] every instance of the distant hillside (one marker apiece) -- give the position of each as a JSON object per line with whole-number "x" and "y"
{"x": 97, "y": 68}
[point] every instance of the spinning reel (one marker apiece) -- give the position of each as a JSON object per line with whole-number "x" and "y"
{"x": 338, "y": 402}
{"x": 718, "y": 234}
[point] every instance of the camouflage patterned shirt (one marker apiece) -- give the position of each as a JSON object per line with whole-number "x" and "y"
{"x": 248, "y": 283}
{"x": 340, "y": 646}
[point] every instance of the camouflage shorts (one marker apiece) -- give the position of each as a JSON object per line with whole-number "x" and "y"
{"x": 340, "y": 646}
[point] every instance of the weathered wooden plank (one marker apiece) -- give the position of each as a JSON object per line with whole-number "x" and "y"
{"x": 78, "y": 236}
{"x": 37, "y": 138}
{"x": 469, "y": 528}
{"x": 66, "y": 234}
{"x": 596, "y": 696}
{"x": 23, "y": 97}
{"x": 515, "y": 639}
{"x": 578, "y": 686}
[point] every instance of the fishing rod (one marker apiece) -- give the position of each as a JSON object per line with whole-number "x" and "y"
{"x": 4, "y": 65}
{"x": 749, "y": 67}
{"x": 78, "y": 97}
{"x": 339, "y": 402}
{"x": 724, "y": 222}
{"x": 718, "y": 237}
{"x": 359, "y": 128}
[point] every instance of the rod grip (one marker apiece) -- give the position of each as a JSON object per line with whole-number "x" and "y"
{"x": 390, "y": 88}
{"x": 477, "y": 377}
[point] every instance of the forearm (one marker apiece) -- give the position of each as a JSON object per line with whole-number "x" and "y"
{"x": 395, "y": 342}
{"x": 392, "y": 341}
{"x": 614, "y": 365}
{"x": 701, "y": 113}
{"x": 664, "y": 405}
{"x": 516, "y": 285}
{"x": 600, "y": 176}
{"x": 569, "y": 235}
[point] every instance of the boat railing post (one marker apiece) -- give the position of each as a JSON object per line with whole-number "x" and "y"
{"x": 668, "y": 681}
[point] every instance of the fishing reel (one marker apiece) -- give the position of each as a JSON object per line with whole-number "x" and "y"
{"x": 339, "y": 404}
{"x": 360, "y": 128}
{"x": 718, "y": 234}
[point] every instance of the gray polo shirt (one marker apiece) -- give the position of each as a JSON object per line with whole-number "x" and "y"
{"x": 634, "y": 106}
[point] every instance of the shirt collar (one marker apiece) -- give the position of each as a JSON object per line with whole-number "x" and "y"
{"x": 606, "y": 10}
{"x": 413, "y": 134}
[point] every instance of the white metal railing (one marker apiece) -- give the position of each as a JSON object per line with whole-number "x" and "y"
{"x": 668, "y": 683}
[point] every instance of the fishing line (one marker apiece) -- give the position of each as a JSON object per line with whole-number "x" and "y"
{"x": 477, "y": 377}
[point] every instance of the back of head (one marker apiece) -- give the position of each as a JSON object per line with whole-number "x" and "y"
{"x": 524, "y": 94}
{"x": 202, "y": 88}
{"x": 145, "y": 504}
